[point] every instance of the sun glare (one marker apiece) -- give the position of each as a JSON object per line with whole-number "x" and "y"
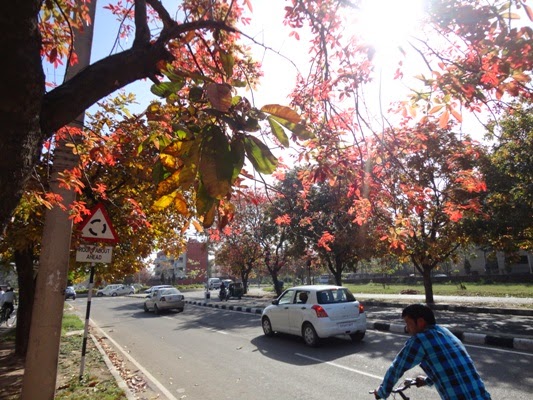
{"x": 387, "y": 25}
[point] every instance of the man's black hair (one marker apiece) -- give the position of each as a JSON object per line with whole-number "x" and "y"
{"x": 415, "y": 311}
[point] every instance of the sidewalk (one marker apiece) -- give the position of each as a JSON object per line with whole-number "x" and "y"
{"x": 465, "y": 312}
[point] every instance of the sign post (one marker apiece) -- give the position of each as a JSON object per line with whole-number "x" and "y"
{"x": 96, "y": 228}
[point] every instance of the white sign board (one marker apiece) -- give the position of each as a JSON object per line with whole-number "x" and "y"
{"x": 94, "y": 254}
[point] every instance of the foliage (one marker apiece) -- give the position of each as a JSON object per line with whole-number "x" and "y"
{"x": 430, "y": 182}
{"x": 508, "y": 167}
{"x": 333, "y": 237}
{"x": 240, "y": 252}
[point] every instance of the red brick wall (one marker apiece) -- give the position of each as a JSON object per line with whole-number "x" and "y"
{"x": 196, "y": 262}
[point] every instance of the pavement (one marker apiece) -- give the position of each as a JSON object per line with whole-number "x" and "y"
{"x": 495, "y": 321}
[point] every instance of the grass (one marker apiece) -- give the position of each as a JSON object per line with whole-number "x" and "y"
{"x": 449, "y": 289}
{"x": 97, "y": 384}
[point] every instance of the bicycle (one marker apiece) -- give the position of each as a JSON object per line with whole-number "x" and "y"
{"x": 12, "y": 320}
{"x": 402, "y": 388}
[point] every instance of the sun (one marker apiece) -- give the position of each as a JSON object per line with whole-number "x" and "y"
{"x": 387, "y": 25}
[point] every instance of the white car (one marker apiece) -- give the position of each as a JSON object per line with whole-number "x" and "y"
{"x": 115, "y": 290}
{"x": 164, "y": 299}
{"x": 315, "y": 312}
{"x": 151, "y": 290}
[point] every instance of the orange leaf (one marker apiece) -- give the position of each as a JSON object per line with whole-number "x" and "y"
{"x": 529, "y": 12}
{"x": 444, "y": 119}
{"x": 457, "y": 115}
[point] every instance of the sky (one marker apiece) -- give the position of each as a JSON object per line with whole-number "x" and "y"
{"x": 385, "y": 24}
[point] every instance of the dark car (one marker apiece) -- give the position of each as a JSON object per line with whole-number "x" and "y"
{"x": 70, "y": 293}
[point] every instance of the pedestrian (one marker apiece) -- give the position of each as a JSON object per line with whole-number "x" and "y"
{"x": 8, "y": 299}
{"x": 441, "y": 356}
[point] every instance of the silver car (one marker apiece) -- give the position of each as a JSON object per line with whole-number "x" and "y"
{"x": 164, "y": 299}
{"x": 315, "y": 312}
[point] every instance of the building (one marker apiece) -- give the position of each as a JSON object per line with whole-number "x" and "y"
{"x": 189, "y": 267}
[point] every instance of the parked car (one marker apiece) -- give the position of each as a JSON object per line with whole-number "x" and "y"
{"x": 70, "y": 293}
{"x": 315, "y": 312}
{"x": 164, "y": 299}
{"x": 151, "y": 290}
{"x": 440, "y": 276}
{"x": 213, "y": 283}
{"x": 115, "y": 290}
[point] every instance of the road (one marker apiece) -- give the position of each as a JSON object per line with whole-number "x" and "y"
{"x": 206, "y": 353}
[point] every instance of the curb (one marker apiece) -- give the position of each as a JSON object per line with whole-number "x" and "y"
{"x": 465, "y": 337}
{"x": 456, "y": 308}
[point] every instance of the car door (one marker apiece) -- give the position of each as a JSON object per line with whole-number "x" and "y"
{"x": 298, "y": 310}
{"x": 150, "y": 301}
{"x": 279, "y": 315}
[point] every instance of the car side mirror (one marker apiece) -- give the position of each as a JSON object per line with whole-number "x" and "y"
{"x": 275, "y": 302}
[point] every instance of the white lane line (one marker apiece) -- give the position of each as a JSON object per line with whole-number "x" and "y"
{"x": 487, "y": 347}
{"x": 339, "y": 366}
{"x": 164, "y": 390}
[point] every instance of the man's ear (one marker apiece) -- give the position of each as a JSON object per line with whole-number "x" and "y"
{"x": 421, "y": 323}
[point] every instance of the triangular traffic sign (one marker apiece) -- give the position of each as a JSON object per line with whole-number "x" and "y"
{"x": 98, "y": 227}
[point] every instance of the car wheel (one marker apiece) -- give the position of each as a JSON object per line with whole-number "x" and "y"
{"x": 180, "y": 309}
{"x": 146, "y": 308}
{"x": 267, "y": 327}
{"x": 357, "y": 336}
{"x": 73, "y": 297}
{"x": 309, "y": 335}
{"x": 156, "y": 309}
{"x": 114, "y": 294}
{"x": 131, "y": 292}
{"x": 99, "y": 294}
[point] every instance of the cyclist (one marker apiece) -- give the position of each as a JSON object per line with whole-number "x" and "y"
{"x": 440, "y": 354}
{"x": 8, "y": 299}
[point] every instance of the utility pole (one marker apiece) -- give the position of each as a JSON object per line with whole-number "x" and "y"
{"x": 40, "y": 372}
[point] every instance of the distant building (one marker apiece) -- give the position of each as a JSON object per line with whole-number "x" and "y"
{"x": 189, "y": 267}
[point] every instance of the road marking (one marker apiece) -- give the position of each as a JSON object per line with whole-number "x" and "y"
{"x": 139, "y": 366}
{"x": 339, "y": 366}
{"x": 500, "y": 350}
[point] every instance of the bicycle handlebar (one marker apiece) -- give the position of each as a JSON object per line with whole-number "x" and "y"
{"x": 404, "y": 386}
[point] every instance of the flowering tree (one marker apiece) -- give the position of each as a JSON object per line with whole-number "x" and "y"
{"x": 430, "y": 181}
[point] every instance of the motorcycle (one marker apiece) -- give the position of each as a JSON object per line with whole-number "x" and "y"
{"x": 223, "y": 294}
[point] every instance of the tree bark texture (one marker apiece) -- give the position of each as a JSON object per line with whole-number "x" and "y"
{"x": 21, "y": 93}
{"x": 26, "y": 281}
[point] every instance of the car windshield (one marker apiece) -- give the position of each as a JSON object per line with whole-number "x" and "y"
{"x": 169, "y": 291}
{"x": 334, "y": 295}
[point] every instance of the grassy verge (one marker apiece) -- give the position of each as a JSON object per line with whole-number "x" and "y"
{"x": 97, "y": 384}
{"x": 449, "y": 289}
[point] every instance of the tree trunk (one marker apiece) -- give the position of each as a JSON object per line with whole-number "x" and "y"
{"x": 428, "y": 285}
{"x": 23, "y": 88}
{"x": 26, "y": 281}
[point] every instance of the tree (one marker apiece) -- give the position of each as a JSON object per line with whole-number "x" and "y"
{"x": 430, "y": 183}
{"x": 203, "y": 50}
{"x": 322, "y": 224}
{"x": 239, "y": 247}
{"x": 508, "y": 168}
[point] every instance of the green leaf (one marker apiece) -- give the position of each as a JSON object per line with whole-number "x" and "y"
{"x": 298, "y": 129}
{"x": 196, "y": 93}
{"x": 259, "y": 155}
{"x": 158, "y": 172}
{"x": 227, "y": 63}
{"x": 278, "y": 131}
{"x": 164, "y": 89}
{"x": 237, "y": 157}
{"x": 216, "y": 168}
{"x": 204, "y": 202}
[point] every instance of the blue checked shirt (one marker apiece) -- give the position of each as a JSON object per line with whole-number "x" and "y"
{"x": 444, "y": 360}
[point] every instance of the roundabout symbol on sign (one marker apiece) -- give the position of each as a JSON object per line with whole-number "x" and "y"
{"x": 98, "y": 227}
